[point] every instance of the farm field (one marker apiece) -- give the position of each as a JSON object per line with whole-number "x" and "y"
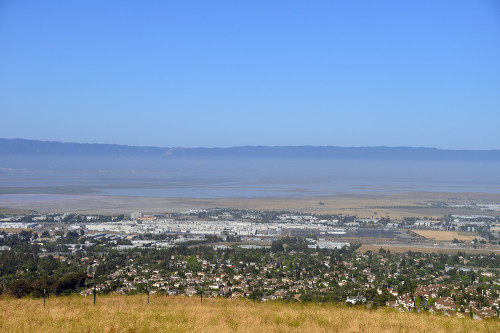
{"x": 186, "y": 314}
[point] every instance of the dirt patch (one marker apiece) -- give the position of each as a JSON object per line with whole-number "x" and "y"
{"x": 446, "y": 235}
{"x": 403, "y": 249}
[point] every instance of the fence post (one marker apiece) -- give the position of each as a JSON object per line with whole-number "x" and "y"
{"x": 94, "y": 293}
{"x": 44, "y": 297}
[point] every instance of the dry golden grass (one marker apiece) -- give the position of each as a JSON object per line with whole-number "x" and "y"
{"x": 182, "y": 314}
{"x": 446, "y": 235}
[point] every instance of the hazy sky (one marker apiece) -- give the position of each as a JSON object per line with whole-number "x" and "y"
{"x": 230, "y": 73}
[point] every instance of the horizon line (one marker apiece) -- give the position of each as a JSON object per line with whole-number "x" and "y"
{"x": 245, "y": 146}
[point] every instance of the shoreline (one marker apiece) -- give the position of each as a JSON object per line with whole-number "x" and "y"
{"x": 405, "y": 204}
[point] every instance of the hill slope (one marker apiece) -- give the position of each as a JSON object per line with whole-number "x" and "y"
{"x": 38, "y": 148}
{"x": 182, "y": 314}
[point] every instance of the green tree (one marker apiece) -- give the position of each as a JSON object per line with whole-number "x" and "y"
{"x": 418, "y": 301}
{"x": 193, "y": 264}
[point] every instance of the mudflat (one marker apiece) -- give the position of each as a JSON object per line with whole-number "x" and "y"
{"x": 408, "y": 204}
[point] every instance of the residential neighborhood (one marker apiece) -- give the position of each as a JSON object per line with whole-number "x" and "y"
{"x": 257, "y": 255}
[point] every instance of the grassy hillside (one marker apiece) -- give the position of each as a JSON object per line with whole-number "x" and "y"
{"x": 182, "y": 314}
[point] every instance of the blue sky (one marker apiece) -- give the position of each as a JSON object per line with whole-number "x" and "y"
{"x": 230, "y": 73}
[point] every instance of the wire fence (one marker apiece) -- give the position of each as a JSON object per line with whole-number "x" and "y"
{"x": 45, "y": 294}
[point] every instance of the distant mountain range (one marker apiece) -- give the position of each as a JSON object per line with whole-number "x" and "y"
{"x": 35, "y": 147}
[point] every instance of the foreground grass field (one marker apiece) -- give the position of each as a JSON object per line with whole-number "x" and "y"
{"x": 182, "y": 314}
